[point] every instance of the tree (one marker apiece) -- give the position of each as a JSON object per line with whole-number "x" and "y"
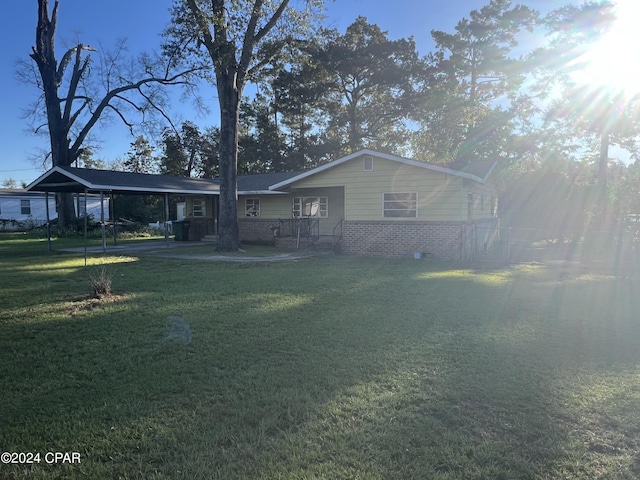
{"x": 189, "y": 152}
{"x": 238, "y": 38}
{"x": 479, "y": 55}
{"x": 606, "y": 117}
{"x": 570, "y": 32}
{"x": 140, "y": 158}
{"x": 139, "y": 208}
{"x": 9, "y": 183}
{"x": 373, "y": 79}
{"x": 585, "y": 110}
{"x": 261, "y": 145}
{"x": 72, "y": 105}
{"x": 475, "y": 85}
{"x": 288, "y": 119}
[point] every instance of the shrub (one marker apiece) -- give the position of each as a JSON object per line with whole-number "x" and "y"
{"x": 100, "y": 281}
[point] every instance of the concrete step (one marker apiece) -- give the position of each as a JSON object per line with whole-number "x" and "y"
{"x": 210, "y": 239}
{"x": 322, "y": 243}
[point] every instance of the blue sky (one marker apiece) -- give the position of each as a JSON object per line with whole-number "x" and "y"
{"x": 141, "y": 21}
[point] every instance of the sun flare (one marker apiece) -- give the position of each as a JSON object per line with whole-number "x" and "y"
{"x": 614, "y": 61}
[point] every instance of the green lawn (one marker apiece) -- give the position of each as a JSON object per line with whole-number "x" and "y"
{"x": 330, "y": 367}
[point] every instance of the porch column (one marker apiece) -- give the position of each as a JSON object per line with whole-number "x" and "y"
{"x": 85, "y": 229}
{"x": 102, "y": 226}
{"x": 166, "y": 217}
{"x": 113, "y": 217}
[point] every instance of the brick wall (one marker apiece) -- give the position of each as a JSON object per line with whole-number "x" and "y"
{"x": 256, "y": 230}
{"x": 437, "y": 239}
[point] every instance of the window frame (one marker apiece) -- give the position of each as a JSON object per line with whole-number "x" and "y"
{"x": 201, "y": 210}
{"x": 323, "y": 207}
{"x": 25, "y": 207}
{"x": 387, "y": 211}
{"x": 255, "y": 207}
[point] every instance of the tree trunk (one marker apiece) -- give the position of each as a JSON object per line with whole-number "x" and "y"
{"x": 44, "y": 56}
{"x": 66, "y": 209}
{"x": 603, "y": 166}
{"x": 603, "y": 161}
{"x": 229, "y": 96}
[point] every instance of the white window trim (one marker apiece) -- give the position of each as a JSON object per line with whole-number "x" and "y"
{"x": 255, "y": 207}
{"x": 203, "y": 207}
{"x": 25, "y": 204}
{"x": 322, "y": 200}
{"x": 384, "y": 202}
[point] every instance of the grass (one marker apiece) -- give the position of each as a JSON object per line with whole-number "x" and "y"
{"x": 332, "y": 367}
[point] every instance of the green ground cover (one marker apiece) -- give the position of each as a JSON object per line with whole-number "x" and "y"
{"x": 329, "y": 367}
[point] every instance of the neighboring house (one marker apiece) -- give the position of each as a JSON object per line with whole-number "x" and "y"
{"x": 20, "y": 209}
{"x": 367, "y": 203}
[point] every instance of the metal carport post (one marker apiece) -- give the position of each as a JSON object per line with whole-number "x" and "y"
{"x": 166, "y": 217}
{"x": 46, "y": 200}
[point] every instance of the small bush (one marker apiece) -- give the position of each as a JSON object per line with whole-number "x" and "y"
{"x": 100, "y": 281}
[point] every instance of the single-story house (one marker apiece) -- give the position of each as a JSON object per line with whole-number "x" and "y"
{"x": 367, "y": 202}
{"x": 21, "y": 209}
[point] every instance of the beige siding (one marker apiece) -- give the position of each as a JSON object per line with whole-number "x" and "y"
{"x": 335, "y": 198}
{"x": 439, "y": 195}
{"x": 482, "y": 198}
{"x": 208, "y": 205}
{"x": 271, "y": 206}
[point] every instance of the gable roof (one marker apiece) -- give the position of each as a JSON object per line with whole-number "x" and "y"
{"x": 70, "y": 179}
{"x": 260, "y": 182}
{"x": 475, "y": 171}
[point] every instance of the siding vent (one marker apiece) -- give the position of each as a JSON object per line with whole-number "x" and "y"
{"x": 367, "y": 164}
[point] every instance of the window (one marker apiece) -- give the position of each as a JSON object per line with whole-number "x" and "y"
{"x": 198, "y": 208}
{"x": 400, "y": 204}
{"x": 25, "y": 207}
{"x": 367, "y": 164}
{"x": 252, "y": 207}
{"x": 310, "y": 207}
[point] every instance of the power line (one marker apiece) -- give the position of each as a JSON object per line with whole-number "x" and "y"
{"x": 19, "y": 170}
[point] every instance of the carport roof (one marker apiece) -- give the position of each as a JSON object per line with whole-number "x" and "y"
{"x": 70, "y": 179}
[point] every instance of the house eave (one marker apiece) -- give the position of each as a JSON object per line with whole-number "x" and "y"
{"x": 386, "y": 156}
{"x": 77, "y": 184}
{"x": 259, "y": 192}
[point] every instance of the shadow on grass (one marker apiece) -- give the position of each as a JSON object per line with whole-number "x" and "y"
{"x": 331, "y": 369}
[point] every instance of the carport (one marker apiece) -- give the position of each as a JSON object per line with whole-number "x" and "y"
{"x": 107, "y": 182}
